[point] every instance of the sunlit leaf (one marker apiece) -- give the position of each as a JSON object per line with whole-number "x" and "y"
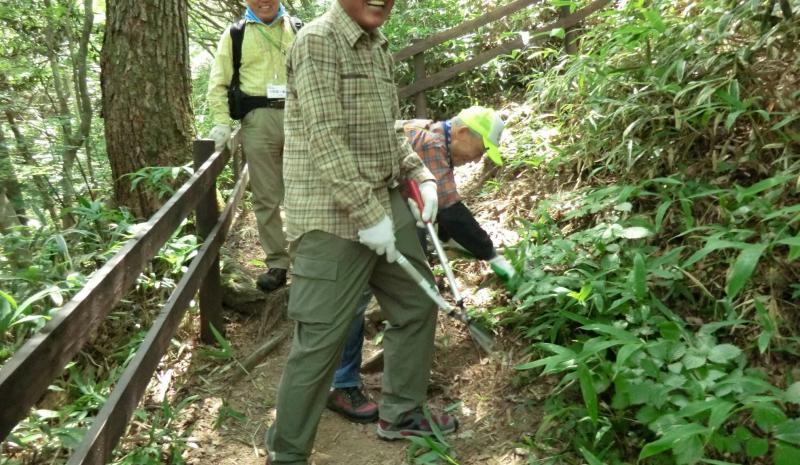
{"x": 635, "y": 232}
{"x": 743, "y": 268}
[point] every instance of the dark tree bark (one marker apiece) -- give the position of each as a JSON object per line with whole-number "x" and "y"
{"x": 571, "y": 33}
{"x": 9, "y": 184}
{"x": 146, "y": 93}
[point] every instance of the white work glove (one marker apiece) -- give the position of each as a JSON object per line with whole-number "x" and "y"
{"x": 380, "y": 238}
{"x": 502, "y": 268}
{"x": 430, "y": 203}
{"x": 220, "y": 134}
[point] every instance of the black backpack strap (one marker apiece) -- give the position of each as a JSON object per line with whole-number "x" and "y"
{"x": 296, "y": 23}
{"x": 237, "y": 36}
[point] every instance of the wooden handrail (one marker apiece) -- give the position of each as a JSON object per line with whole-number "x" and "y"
{"x": 461, "y": 29}
{"x": 110, "y": 424}
{"x": 26, "y": 375}
{"x": 507, "y": 47}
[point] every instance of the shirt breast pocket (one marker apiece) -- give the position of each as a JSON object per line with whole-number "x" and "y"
{"x": 358, "y": 97}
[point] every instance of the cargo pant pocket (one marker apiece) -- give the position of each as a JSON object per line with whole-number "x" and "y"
{"x": 313, "y": 291}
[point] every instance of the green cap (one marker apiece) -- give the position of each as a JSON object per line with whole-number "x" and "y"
{"x": 488, "y": 124}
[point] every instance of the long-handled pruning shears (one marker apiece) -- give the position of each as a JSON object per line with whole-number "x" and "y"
{"x": 479, "y": 335}
{"x": 414, "y": 193}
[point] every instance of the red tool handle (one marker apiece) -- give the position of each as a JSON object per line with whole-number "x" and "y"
{"x": 414, "y": 193}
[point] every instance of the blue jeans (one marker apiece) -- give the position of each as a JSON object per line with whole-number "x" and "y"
{"x": 348, "y": 374}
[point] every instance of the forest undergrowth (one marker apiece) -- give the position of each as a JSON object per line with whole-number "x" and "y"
{"x": 659, "y": 262}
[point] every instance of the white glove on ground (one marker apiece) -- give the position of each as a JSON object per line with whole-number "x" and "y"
{"x": 502, "y": 268}
{"x": 220, "y": 134}
{"x": 430, "y": 203}
{"x": 380, "y": 238}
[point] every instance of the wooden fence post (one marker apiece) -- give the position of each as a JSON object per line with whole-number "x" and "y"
{"x": 207, "y": 213}
{"x": 420, "y": 103}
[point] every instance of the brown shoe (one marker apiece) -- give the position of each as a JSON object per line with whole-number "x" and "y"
{"x": 272, "y": 279}
{"x": 352, "y": 404}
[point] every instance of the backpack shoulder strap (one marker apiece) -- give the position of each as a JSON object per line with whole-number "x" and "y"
{"x": 295, "y": 22}
{"x": 237, "y": 36}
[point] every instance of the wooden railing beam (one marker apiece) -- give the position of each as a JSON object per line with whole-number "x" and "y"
{"x": 113, "y": 418}
{"x": 461, "y": 29}
{"x": 26, "y": 375}
{"x": 506, "y": 48}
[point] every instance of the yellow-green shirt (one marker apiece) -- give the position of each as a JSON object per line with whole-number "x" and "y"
{"x": 262, "y": 64}
{"x": 341, "y": 152}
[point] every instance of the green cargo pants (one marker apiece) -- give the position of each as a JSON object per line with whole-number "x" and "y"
{"x": 262, "y": 141}
{"x": 329, "y": 276}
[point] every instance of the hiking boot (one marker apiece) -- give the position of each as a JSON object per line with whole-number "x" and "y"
{"x": 271, "y": 280}
{"x": 414, "y": 423}
{"x": 352, "y": 404}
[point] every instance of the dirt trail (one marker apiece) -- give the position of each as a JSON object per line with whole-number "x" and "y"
{"x": 494, "y": 415}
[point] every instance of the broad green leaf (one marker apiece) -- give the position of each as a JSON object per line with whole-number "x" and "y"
{"x": 789, "y": 431}
{"x": 767, "y": 415}
{"x": 688, "y": 451}
{"x": 785, "y": 454}
{"x": 675, "y": 435}
{"x": 720, "y": 413}
{"x": 792, "y": 393}
{"x": 717, "y": 462}
{"x": 756, "y": 447}
{"x": 743, "y": 268}
{"x": 693, "y": 359}
{"x": 669, "y": 330}
{"x": 624, "y": 353}
{"x": 723, "y": 352}
{"x": 588, "y": 391}
{"x": 763, "y": 341}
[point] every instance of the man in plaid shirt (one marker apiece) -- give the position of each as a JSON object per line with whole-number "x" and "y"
{"x": 348, "y": 223}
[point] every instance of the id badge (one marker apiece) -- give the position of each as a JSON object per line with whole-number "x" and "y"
{"x": 276, "y": 91}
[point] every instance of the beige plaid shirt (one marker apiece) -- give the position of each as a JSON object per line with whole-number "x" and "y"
{"x": 342, "y": 153}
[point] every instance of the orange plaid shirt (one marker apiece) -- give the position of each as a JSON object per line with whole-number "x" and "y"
{"x": 427, "y": 139}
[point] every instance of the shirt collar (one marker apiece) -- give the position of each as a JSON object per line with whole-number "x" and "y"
{"x": 351, "y": 30}
{"x": 443, "y": 130}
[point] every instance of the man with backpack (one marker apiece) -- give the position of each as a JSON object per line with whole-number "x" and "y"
{"x": 248, "y": 83}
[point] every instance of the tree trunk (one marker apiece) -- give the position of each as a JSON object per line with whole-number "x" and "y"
{"x": 9, "y": 184}
{"x": 146, "y": 93}
{"x": 41, "y": 182}
{"x": 571, "y": 33}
